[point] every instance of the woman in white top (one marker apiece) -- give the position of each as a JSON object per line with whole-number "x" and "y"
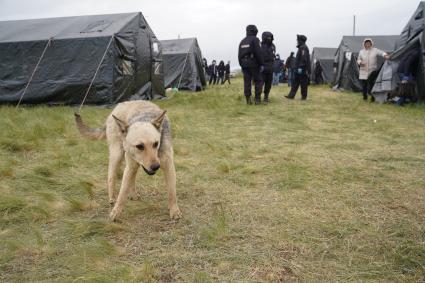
{"x": 368, "y": 63}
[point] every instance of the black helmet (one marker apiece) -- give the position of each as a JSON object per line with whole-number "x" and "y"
{"x": 267, "y": 36}
{"x": 301, "y": 38}
{"x": 251, "y": 30}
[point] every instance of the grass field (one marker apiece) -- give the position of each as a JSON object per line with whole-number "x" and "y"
{"x": 313, "y": 191}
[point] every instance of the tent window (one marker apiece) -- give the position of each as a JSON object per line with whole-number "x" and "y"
{"x": 127, "y": 68}
{"x": 97, "y": 26}
{"x": 420, "y": 15}
{"x": 348, "y": 56}
{"x": 155, "y": 48}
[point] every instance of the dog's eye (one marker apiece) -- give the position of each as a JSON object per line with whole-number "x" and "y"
{"x": 155, "y": 144}
{"x": 140, "y": 146}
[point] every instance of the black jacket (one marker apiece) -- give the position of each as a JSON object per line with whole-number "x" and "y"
{"x": 249, "y": 54}
{"x": 290, "y": 62}
{"x": 269, "y": 51}
{"x": 278, "y": 66}
{"x": 302, "y": 60}
{"x": 221, "y": 69}
{"x": 212, "y": 70}
{"x": 227, "y": 69}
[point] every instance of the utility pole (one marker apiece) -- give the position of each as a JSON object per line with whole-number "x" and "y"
{"x": 354, "y": 25}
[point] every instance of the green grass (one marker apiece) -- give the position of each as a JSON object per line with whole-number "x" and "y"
{"x": 295, "y": 191}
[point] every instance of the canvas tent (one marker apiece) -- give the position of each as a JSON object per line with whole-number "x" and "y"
{"x": 412, "y": 36}
{"x": 346, "y": 75}
{"x": 69, "y": 51}
{"x": 326, "y": 57}
{"x": 183, "y": 66}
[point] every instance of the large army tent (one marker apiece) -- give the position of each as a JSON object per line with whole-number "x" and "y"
{"x": 347, "y": 71}
{"x": 412, "y": 37}
{"x": 69, "y": 51}
{"x": 183, "y": 66}
{"x": 326, "y": 58}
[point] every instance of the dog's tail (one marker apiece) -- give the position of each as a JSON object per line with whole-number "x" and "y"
{"x": 89, "y": 133}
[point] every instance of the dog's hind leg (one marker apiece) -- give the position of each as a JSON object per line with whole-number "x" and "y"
{"x": 116, "y": 154}
{"x": 128, "y": 179}
{"x": 167, "y": 164}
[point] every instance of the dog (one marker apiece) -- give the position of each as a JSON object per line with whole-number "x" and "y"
{"x": 139, "y": 132}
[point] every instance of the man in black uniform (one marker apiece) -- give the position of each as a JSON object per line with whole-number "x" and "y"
{"x": 269, "y": 54}
{"x": 251, "y": 61}
{"x": 213, "y": 72}
{"x": 302, "y": 69}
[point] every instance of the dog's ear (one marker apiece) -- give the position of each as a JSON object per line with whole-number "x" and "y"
{"x": 157, "y": 122}
{"x": 122, "y": 125}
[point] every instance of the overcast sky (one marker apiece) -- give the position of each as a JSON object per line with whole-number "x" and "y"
{"x": 219, "y": 25}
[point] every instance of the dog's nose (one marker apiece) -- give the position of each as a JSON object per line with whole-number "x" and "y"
{"x": 155, "y": 167}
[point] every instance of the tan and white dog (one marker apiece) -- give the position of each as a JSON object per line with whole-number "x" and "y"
{"x": 138, "y": 131}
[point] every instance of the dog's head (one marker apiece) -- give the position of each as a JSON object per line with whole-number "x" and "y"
{"x": 142, "y": 140}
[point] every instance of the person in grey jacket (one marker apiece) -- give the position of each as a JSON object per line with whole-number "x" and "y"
{"x": 368, "y": 64}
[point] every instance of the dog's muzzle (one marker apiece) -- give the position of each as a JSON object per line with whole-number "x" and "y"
{"x": 152, "y": 170}
{"x": 149, "y": 172}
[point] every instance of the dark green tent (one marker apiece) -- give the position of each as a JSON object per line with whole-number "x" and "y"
{"x": 183, "y": 66}
{"x": 326, "y": 58}
{"x": 412, "y": 37}
{"x": 69, "y": 51}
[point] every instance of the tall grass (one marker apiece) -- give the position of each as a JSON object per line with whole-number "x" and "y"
{"x": 311, "y": 191}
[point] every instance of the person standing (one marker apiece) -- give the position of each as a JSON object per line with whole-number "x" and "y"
{"x": 206, "y": 70}
{"x": 368, "y": 63}
{"x": 318, "y": 73}
{"x": 290, "y": 65}
{"x": 278, "y": 67}
{"x": 251, "y": 61}
{"x": 227, "y": 73}
{"x": 213, "y": 73}
{"x": 302, "y": 69}
{"x": 221, "y": 69}
{"x": 269, "y": 53}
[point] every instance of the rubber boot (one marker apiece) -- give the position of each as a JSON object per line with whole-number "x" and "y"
{"x": 248, "y": 100}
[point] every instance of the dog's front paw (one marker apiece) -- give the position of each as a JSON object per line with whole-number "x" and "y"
{"x": 114, "y": 214}
{"x": 175, "y": 212}
{"x": 135, "y": 196}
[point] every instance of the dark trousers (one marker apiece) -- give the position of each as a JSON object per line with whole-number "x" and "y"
{"x": 226, "y": 79}
{"x": 299, "y": 80}
{"x": 220, "y": 79}
{"x": 319, "y": 79}
{"x": 213, "y": 79}
{"x": 267, "y": 82}
{"x": 252, "y": 74}
{"x": 368, "y": 84}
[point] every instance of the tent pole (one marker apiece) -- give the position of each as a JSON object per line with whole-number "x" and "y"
{"x": 33, "y": 72}
{"x": 95, "y": 74}
{"x": 184, "y": 66}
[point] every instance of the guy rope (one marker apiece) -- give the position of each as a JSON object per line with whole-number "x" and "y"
{"x": 33, "y": 72}
{"x": 95, "y": 74}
